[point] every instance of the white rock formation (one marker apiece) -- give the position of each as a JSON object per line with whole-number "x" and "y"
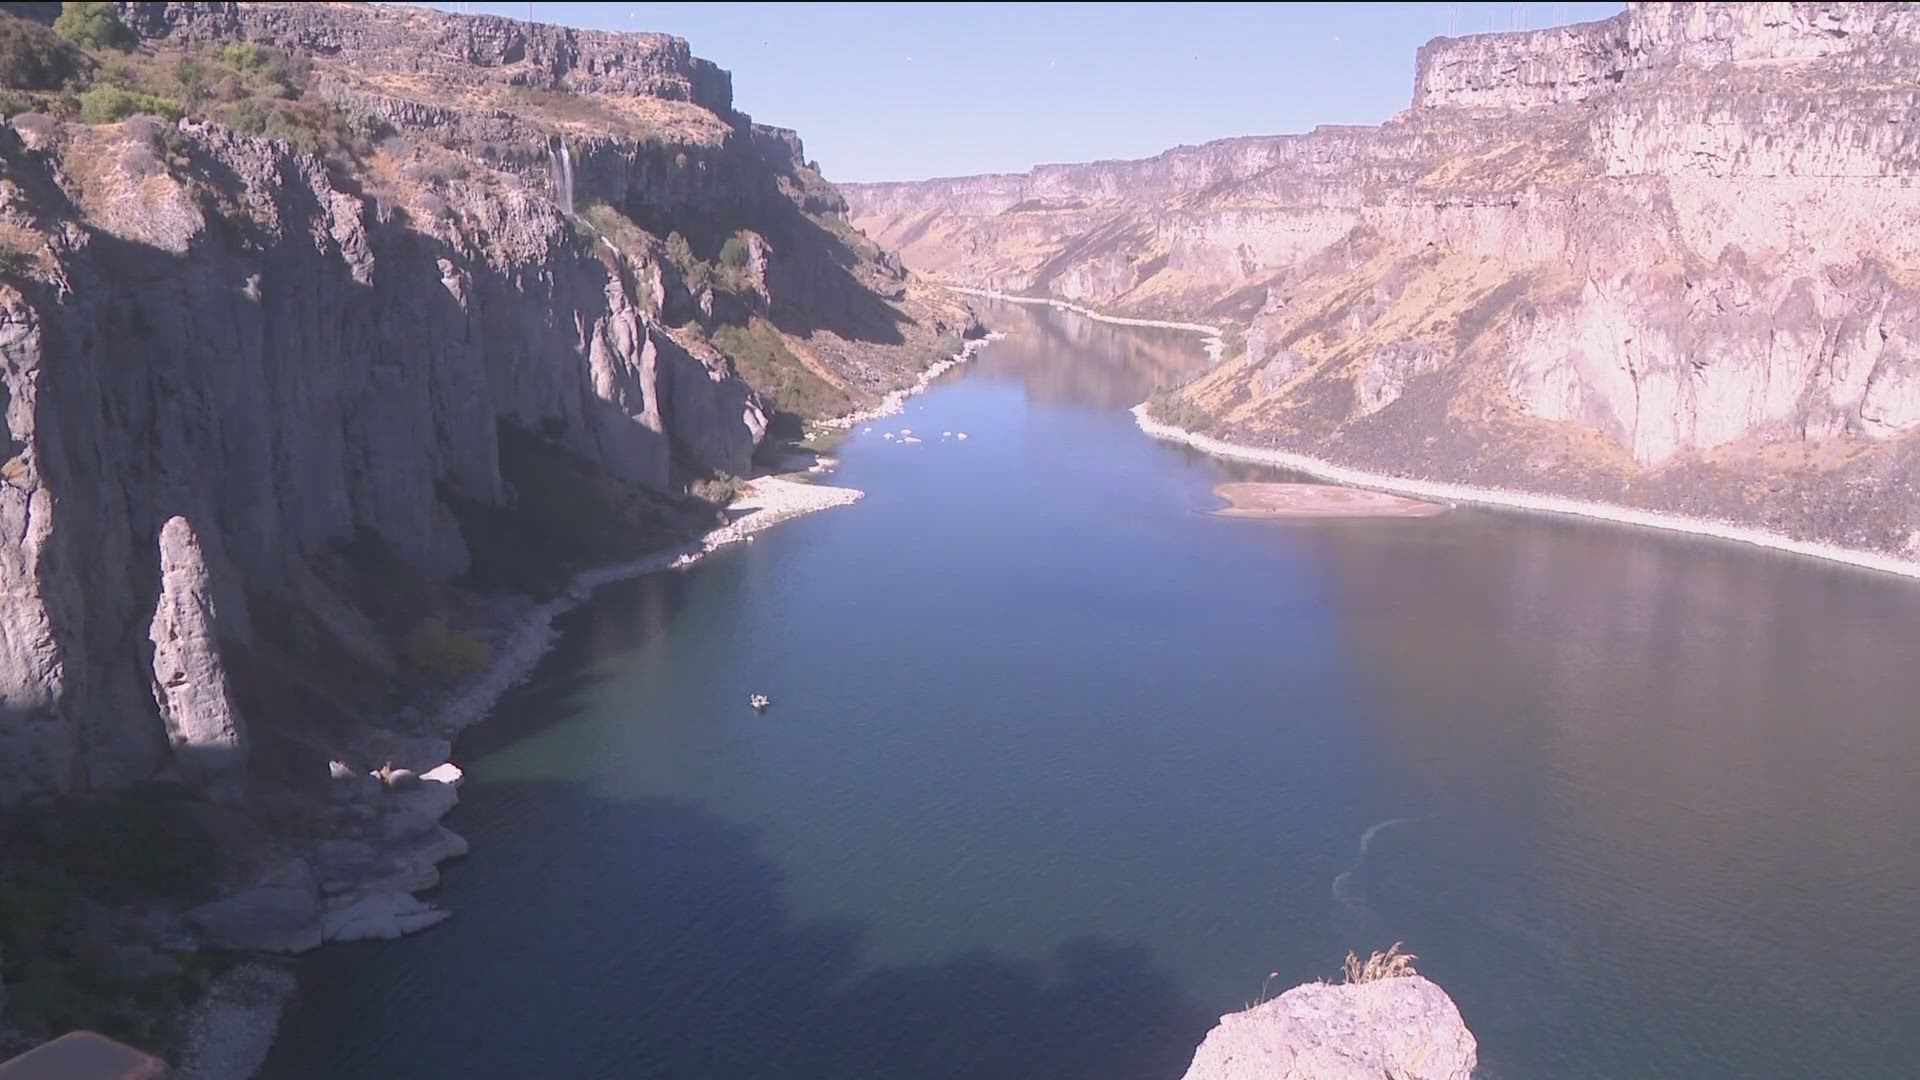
{"x": 190, "y": 685}
{"x": 1400, "y": 1028}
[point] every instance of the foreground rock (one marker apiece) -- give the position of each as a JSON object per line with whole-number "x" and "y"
{"x": 1404, "y": 1028}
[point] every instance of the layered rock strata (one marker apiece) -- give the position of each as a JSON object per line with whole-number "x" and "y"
{"x": 223, "y": 358}
{"x": 1664, "y": 260}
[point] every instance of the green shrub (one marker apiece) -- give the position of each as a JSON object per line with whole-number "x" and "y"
{"x": 311, "y": 128}
{"x": 733, "y": 269}
{"x": 720, "y": 490}
{"x": 246, "y": 56}
{"x": 33, "y": 57}
{"x": 431, "y": 646}
{"x": 107, "y": 104}
{"x": 693, "y": 270}
{"x": 763, "y": 359}
{"x": 93, "y": 26}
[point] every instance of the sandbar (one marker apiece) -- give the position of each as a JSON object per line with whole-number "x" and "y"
{"x": 1256, "y": 500}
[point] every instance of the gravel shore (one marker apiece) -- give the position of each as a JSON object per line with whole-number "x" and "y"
{"x": 229, "y": 1030}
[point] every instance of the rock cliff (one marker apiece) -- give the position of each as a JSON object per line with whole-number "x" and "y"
{"x": 1665, "y": 260}
{"x": 294, "y": 383}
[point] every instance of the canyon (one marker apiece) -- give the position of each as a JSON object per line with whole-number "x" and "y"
{"x": 1664, "y": 261}
{"x": 342, "y": 347}
{"x": 335, "y": 341}
{"x": 228, "y": 360}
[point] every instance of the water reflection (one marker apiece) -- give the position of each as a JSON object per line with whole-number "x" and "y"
{"x": 1066, "y": 359}
{"x": 1672, "y": 782}
{"x": 1058, "y": 769}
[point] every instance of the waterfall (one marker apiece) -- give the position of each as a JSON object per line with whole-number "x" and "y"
{"x": 562, "y": 175}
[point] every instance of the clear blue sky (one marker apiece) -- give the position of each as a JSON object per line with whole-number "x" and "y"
{"x": 908, "y": 91}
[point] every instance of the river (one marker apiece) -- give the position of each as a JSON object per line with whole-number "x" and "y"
{"x": 1060, "y": 768}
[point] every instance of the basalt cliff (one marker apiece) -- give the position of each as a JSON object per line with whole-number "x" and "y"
{"x": 302, "y": 315}
{"x": 1669, "y": 261}
{"x": 334, "y": 339}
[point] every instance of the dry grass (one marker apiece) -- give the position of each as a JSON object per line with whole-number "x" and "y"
{"x": 1392, "y": 964}
{"x": 22, "y": 250}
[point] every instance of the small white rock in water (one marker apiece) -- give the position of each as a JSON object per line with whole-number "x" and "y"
{"x": 866, "y": 431}
{"x": 906, "y": 431}
{"x": 910, "y": 439}
{"x": 961, "y": 435}
{"x": 445, "y": 773}
{"x": 888, "y": 436}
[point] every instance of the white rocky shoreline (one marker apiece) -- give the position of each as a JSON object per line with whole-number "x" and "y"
{"x": 229, "y": 1031}
{"x": 1519, "y": 500}
{"x": 896, "y": 400}
{"x": 1505, "y": 498}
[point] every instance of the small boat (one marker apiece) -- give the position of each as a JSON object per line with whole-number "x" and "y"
{"x": 759, "y": 702}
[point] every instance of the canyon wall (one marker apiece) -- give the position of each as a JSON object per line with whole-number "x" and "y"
{"x": 264, "y": 389}
{"x": 1665, "y": 260}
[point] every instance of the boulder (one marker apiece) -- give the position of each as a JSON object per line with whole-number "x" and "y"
{"x": 380, "y": 915}
{"x": 416, "y": 812}
{"x": 279, "y": 913}
{"x": 1406, "y": 1028}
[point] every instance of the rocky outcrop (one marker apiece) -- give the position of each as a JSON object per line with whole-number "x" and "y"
{"x": 238, "y": 372}
{"x": 190, "y": 685}
{"x": 1654, "y": 260}
{"x": 1404, "y": 1027}
{"x": 443, "y": 52}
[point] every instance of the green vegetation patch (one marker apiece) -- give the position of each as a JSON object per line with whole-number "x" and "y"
{"x": 33, "y": 57}
{"x": 109, "y": 104}
{"x": 62, "y": 857}
{"x": 94, "y": 26}
{"x": 1169, "y": 406}
{"x": 763, "y": 359}
{"x": 432, "y": 647}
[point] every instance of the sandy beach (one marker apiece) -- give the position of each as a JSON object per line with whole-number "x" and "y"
{"x": 1255, "y": 500}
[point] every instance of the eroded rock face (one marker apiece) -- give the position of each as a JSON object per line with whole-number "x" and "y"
{"x": 204, "y": 726}
{"x": 1405, "y": 1028}
{"x": 227, "y": 358}
{"x": 1654, "y": 260}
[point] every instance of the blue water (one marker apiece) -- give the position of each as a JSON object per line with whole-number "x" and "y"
{"x": 1060, "y": 768}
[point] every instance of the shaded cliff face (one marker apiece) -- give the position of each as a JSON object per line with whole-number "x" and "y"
{"x": 250, "y": 382}
{"x": 1662, "y": 260}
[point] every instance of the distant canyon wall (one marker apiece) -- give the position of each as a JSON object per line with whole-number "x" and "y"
{"x": 1665, "y": 260}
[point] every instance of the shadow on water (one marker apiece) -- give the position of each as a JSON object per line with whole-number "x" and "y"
{"x": 667, "y": 951}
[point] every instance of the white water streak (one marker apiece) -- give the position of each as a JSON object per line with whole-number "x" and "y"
{"x": 1345, "y": 877}
{"x": 562, "y": 176}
